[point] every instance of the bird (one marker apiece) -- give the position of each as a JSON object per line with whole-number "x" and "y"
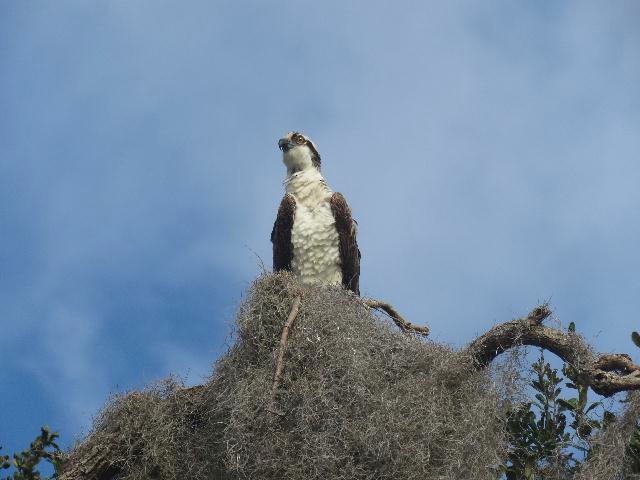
{"x": 314, "y": 234}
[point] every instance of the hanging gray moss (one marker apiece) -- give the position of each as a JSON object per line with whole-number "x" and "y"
{"x": 361, "y": 401}
{"x": 609, "y": 460}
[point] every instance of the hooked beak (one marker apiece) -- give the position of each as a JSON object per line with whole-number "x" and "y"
{"x": 284, "y": 145}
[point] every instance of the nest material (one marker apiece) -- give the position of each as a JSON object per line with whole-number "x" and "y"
{"x": 361, "y": 401}
{"x": 610, "y": 458}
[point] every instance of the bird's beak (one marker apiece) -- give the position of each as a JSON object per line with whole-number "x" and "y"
{"x": 284, "y": 144}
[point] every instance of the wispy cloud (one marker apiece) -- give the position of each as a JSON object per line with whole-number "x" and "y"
{"x": 489, "y": 152}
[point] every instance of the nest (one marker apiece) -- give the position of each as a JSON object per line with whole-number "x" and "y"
{"x": 361, "y": 401}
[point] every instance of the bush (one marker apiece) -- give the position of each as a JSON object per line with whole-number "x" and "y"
{"x": 25, "y": 464}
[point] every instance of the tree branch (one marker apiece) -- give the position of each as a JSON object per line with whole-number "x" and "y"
{"x": 280, "y": 361}
{"x": 606, "y": 374}
{"x": 396, "y": 317}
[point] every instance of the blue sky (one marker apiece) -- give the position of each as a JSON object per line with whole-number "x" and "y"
{"x": 490, "y": 152}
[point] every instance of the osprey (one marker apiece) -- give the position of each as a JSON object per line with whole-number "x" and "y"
{"x": 314, "y": 235}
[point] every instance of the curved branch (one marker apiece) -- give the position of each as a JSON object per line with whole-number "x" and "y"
{"x": 606, "y": 374}
{"x": 396, "y": 317}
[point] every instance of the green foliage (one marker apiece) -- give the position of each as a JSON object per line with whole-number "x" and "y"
{"x": 538, "y": 429}
{"x": 581, "y": 410}
{"x": 549, "y": 437}
{"x": 44, "y": 447}
{"x": 552, "y": 436}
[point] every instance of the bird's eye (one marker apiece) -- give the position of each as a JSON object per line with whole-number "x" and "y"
{"x": 300, "y": 140}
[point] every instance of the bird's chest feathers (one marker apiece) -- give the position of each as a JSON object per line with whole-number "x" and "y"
{"x": 316, "y": 256}
{"x": 313, "y": 222}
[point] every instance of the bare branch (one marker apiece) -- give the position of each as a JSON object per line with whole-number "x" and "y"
{"x": 280, "y": 362}
{"x": 607, "y": 374}
{"x": 396, "y": 317}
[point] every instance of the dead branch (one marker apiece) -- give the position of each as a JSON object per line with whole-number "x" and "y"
{"x": 607, "y": 374}
{"x": 396, "y": 317}
{"x": 280, "y": 361}
{"x": 94, "y": 465}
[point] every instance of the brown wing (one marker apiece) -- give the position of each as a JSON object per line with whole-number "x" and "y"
{"x": 349, "y": 252}
{"x": 281, "y": 234}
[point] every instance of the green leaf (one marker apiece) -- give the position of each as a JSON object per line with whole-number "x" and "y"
{"x": 592, "y": 406}
{"x": 584, "y": 430}
{"x": 582, "y": 395}
{"x": 567, "y": 405}
{"x": 537, "y": 385}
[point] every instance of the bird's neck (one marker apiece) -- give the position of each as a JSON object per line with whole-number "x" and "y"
{"x": 307, "y": 185}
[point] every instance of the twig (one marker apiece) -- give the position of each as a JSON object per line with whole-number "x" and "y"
{"x": 396, "y": 317}
{"x": 280, "y": 362}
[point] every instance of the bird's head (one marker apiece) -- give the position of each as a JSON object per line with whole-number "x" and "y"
{"x": 298, "y": 152}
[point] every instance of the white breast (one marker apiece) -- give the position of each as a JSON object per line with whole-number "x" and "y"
{"x": 316, "y": 255}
